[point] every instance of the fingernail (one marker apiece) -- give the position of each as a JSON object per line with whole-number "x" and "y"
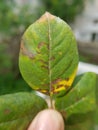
{"x": 47, "y": 120}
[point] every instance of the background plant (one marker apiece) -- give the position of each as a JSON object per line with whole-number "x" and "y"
{"x": 14, "y": 19}
{"x": 65, "y": 9}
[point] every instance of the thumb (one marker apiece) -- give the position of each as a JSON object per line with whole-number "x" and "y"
{"x": 47, "y": 120}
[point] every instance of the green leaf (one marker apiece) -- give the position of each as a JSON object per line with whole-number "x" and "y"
{"x": 80, "y": 99}
{"x": 96, "y": 112}
{"x": 85, "y": 125}
{"x": 48, "y": 55}
{"x": 17, "y": 110}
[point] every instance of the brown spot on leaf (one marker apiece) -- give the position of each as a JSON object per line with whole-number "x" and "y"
{"x": 56, "y": 81}
{"x": 41, "y": 44}
{"x": 67, "y": 79}
{"x": 52, "y": 58}
{"x": 52, "y": 89}
{"x": 52, "y": 85}
{"x": 45, "y": 67}
{"x": 42, "y": 61}
{"x": 55, "y": 92}
{"x": 59, "y": 86}
{"x": 26, "y": 52}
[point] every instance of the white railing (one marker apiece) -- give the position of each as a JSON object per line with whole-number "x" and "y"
{"x": 86, "y": 67}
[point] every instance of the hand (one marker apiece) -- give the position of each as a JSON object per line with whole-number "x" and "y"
{"x": 48, "y": 119}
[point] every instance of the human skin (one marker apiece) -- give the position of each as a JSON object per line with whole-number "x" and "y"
{"x": 47, "y": 119}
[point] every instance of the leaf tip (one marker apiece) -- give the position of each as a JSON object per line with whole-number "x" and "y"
{"x": 45, "y": 16}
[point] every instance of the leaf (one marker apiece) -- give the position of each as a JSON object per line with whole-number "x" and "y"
{"x": 17, "y": 110}
{"x": 96, "y": 112}
{"x": 48, "y": 55}
{"x": 85, "y": 125}
{"x": 80, "y": 99}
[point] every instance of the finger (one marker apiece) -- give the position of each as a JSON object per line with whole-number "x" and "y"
{"x": 47, "y": 120}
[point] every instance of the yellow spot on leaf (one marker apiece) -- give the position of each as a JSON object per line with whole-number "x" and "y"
{"x": 59, "y": 89}
{"x": 69, "y": 81}
{"x": 64, "y": 84}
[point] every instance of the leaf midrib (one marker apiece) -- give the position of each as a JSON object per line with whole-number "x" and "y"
{"x": 79, "y": 101}
{"x": 49, "y": 61}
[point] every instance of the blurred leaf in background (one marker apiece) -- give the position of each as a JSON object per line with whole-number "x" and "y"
{"x": 65, "y": 9}
{"x": 14, "y": 18}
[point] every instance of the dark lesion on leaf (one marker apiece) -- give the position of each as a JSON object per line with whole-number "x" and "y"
{"x": 67, "y": 79}
{"x": 41, "y": 44}
{"x": 44, "y": 66}
{"x": 53, "y": 90}
{"x": 52, "y": 58}
{"x": 26, "y": 52}
{"x": 43, "y": 62}
{"x": 56, "y": 86}
{"x": 59, "y": 86}
{"x": 56, "y": 81}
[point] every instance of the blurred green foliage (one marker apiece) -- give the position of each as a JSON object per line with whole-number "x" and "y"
{"x": 65, "y": 9}
{"x": 14, "y": 19}
{"x": 10, "y": 84}
{"x": 5, "y": 59}
{"x": 6, "y": 14}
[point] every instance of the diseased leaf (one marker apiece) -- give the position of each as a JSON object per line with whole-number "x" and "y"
{"x": 17, "y": 110}
{"x": 80, "y": 99}
{"x": 48, "y": 56}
